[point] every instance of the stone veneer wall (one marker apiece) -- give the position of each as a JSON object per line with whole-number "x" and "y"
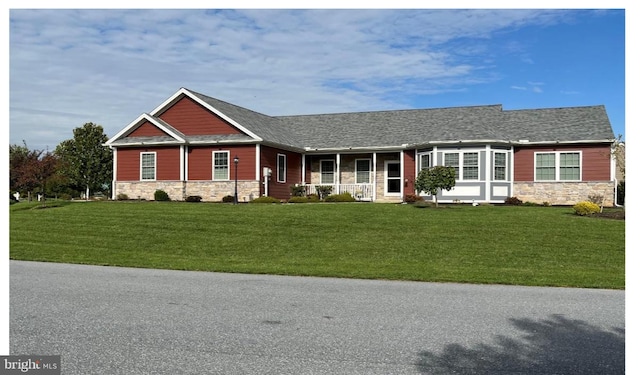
{"x": 563, "y": 193}
{"x": 177, "y": 190}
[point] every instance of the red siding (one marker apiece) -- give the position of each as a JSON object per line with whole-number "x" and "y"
{"x": 269, "y": 158}
{"x": 596, "y": 162}
{"x": 409, "y": 171}
{"x": 147, "y": 129}
{"x": 200, "y": 162}
{"x": 191, "y": 118}
{"x": 167, "y": 163}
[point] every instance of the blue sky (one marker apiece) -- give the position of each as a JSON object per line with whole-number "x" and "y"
{"x": 69, "y": 67}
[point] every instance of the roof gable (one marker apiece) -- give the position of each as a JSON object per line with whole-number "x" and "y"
{"x": 164, "y": 132}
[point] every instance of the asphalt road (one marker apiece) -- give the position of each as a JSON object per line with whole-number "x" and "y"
{"x": 106, "y": 320}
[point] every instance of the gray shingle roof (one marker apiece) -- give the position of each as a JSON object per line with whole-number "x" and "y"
{"x": 383, "y": 129}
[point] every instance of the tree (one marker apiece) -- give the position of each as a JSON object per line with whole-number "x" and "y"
{"x": 86, "y": 162}
{"x": 30, "y": 170}
{"x": 434, "y": 179}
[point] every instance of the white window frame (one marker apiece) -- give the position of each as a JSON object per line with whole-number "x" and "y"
{"x": 368, "y": 171}
{"x": 420, "y": 156}
{"x": 460, "y": 167}
{"x": 155, "y": 165}
{"x": 333, "y": 171}
{"x": 556, "y": 165}
{"x": 281, "y": 176}
{"x": 213, "y": 165}
{"x": 506, "y": 163}
{"x": 387, "y": 178}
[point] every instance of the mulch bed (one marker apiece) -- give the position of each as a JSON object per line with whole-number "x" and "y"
{"x": 615, "y": 214}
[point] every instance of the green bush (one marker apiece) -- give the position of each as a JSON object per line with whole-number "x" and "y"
{"x": 161, "y": 196}
{"x": 122, "y": 197}
{"x": 342, "y": 197}
{"x": 586, "y": 208}
{"x": 307, "y": 199}
{"x": 228, "y": 199}
{"x": 323, "y": 191}
{"x": 513, "y": 201}
{"x": 298, "y": 190}
{"x": 265, "y": 200}
{"x": 194, "y": 198}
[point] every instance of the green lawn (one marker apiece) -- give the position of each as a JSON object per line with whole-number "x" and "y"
{"x": 486, "y": 244}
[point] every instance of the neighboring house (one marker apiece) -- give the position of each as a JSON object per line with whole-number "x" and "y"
{"x": 187, "y": 146}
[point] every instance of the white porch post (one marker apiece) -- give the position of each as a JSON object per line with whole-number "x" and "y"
{"x": 375, "y": 176}
{"x": 402, "y": 175}
{"x": 488, "y": 174}
{"x": 304, "y": 169}
{"x": 338, "y": 174}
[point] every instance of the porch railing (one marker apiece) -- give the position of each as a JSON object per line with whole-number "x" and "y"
{"x": 362, "y": 192}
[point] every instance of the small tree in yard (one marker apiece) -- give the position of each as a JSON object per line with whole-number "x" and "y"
{"x": 434, "y": 179}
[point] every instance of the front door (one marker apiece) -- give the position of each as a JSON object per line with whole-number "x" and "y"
{"x": 392, "y": 178}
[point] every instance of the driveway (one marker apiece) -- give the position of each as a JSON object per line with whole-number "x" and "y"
{"x": 108, "y": 320}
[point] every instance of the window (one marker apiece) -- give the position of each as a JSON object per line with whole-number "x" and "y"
{"x": 363, "y": 171}
{"x": 220, "y": 165}
{"x": 394, "y": 182}
{"x": 326, "y": 172}
{"x": 147, "y": 166}
{"x": 469, "y": 163}
{"x": 470, "y": 166}
{"x": 499, "y": 166}
{"x": 558, "y": 166}
{"x": 453, "y": 160}
{"x": 282, "y": 168}
{"x": 425, "y": 161}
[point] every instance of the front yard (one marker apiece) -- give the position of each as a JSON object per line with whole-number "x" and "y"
{"x": 547, "y": 246}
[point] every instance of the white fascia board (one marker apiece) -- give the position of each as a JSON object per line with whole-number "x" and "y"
{"x": 135, "y": 123}
{"x": 188, "y": 93}
{"x": 226, "y": 141}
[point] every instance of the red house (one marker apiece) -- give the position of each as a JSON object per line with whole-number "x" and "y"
{"x": 188, "y": 144}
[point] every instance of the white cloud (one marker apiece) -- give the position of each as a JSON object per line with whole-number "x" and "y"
{"x": 111, "y": 65}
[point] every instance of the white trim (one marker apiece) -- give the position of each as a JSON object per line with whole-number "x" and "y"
{"x": 278, "y": 176}
{"x": 402, "y": 181}
{"x": 182, "y": 159}
{"x": 493, "y": 164}
{"x": 333, "y": 167}
{"x": 304, "y": 167}
{"x": 258, "y": 162}
{"x": 338, "y": 178}
{"x": 557, "y": 165}
{"x": 137, "y": 122}
{"x": 155, "y": 165}
{"x": 355, "y": 167}
{"x": 183, "y": 91}
{"x": 386, "y": 178}
{"x": 461, "y": 152}
{"x": 186, "y": 163}
{"x": 375, "y": 176}
{"x": 213, "y": 164}
{"x": 115, "y": 173}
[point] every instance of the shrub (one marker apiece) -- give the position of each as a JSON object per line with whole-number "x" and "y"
{"x": 530, "y": 204}
{"x": 161, "y": 195}
{"x": 585, "y": 208}
{"x": 514, "y": 201}
{"x": 298, "y": 190}
{"x": 413, "y": 198}
{"x": 424, "y": 204}
{"x": 323, "y": 191}
{"x": 194, "y": 198}
{"x": 122, "y": 197}
{"x": 265, "y": 200}
{"x": 228, "y": 199}
{"x": 307, "y": 199}
{"x": 342, "y": 197}
{"x": 546, "y": 204}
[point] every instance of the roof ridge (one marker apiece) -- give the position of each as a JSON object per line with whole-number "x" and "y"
{"x": 395, "y": 110}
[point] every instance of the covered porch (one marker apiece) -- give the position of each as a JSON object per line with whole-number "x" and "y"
{"x": 372, "y": 176}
